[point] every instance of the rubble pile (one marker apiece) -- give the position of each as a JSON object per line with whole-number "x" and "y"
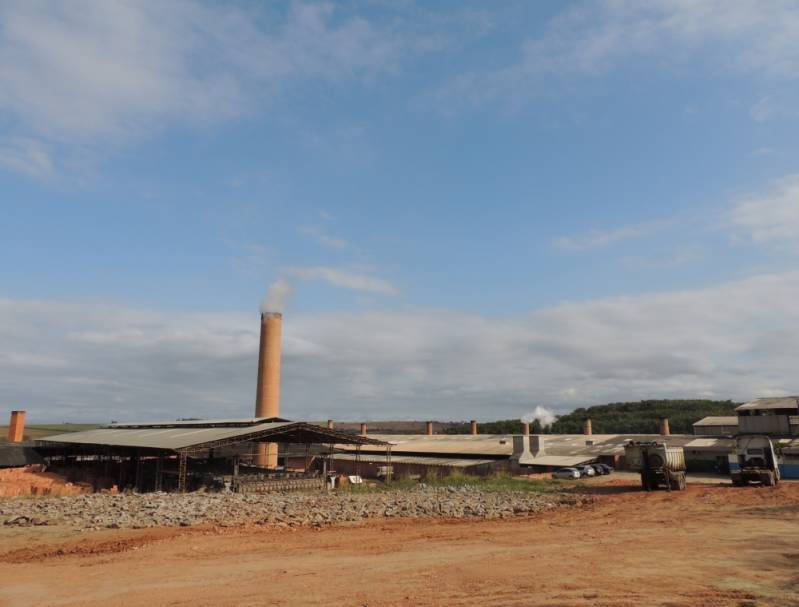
{"x": 289, "y": 509}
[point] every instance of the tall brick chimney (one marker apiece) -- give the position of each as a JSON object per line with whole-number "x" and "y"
{"x": 428, "y": 428}
{"x": 330, "y": 424}
{"x": 664, "y": 426}
{"x": 588, "y": 429}
{"x": 473, "y": 429}
{"x": 525, "y": 428}
{"x": 16, "y": 427}
{"x": 364, "y": 429}
{"x": 267, "y": 395}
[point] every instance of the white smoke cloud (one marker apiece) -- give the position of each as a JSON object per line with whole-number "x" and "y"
{"x": 544, "y": 416}
{"x": 277, "y": 296}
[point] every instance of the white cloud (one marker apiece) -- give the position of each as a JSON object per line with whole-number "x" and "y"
{"x": 770, "y": 218}
{"x": 323, "y": 238}
{"x": 101, "y": 73}
{"x": 749, "y": 38}
{"x": 595, "y": 238}
{"x": 345, "y": 279}
{"x": 76, "y": 361}
{"x": 26, "y": 156}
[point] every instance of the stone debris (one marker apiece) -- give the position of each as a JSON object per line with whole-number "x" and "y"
{"x": 283, "y": 510}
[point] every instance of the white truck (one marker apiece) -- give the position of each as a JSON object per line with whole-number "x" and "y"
{"x": 754, "y": 461}
{"x": 658, "y": 464}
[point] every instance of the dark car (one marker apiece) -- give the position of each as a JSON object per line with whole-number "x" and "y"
{"x": 602, "y": 468}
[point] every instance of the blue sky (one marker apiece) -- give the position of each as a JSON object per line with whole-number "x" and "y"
{"x": 478, "y": 208}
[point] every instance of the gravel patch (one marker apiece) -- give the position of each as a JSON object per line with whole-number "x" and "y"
{"x": 139, "y": 511}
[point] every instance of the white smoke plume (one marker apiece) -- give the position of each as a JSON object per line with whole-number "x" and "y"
{"x": 277, "y": 296}
{"x": 544, "y": 416}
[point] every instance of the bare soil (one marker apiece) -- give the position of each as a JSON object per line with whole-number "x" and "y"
{"x": 709, "y": 546}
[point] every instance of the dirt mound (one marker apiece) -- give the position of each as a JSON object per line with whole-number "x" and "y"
{"x": 31, "y": 480}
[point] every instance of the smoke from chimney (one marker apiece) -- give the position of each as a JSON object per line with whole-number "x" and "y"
{"x": 277, "y": 296}
{"x": 544, "y": 416}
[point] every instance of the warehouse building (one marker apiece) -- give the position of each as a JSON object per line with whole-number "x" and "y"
{"x": 184, "y": 455}
{"x": 726, "y": 425}
{"x": 547, "y": 452}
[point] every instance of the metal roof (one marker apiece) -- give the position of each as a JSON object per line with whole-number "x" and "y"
{"x": 564, "y": 461}
{"x": 698, "y": 444}
{"x": 415, "y": 459}
{"x": 198, "y": 423}
{"x": 731, "y": 420}
{"x": 785, "y": 402}
{"x": 501, "y": 445}
{"x": 191, "y": 438}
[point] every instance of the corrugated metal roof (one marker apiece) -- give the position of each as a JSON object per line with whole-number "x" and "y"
{"x": 710, "y": 443}
{"x": 194, "y": 423}
{"x": 785, "y": 402}
{"x": 499, "y": 445}
{"x": 563, "y": 461}
{"x": 731, "y": 420}
{"x": 174, "y": 439}
{"x": 418, "y": 459}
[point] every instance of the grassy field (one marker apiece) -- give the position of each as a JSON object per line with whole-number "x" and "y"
{"x": 38, "y": 431}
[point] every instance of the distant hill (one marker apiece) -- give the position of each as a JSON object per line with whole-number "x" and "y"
{"x": 642, "y": 417}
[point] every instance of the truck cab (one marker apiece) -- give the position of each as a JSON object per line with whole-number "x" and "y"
{"x": 755, "y": 462}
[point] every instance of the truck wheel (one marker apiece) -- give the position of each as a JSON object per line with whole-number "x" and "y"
{"x": 767, "y": 479}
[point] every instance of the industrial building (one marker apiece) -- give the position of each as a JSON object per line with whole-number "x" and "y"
{"x": 267, "y": 452}
{"x": 726, "y": 425}
{"x": 185, "y": 455}
{"x": 545, "y": 452}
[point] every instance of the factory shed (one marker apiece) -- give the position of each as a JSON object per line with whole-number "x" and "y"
{"x": 726, "y": 425}
{"x": 166, "y": 445}
{"x": 770, "y": 416}
{"x": 553, "y": 451}
{"x": 409, "y": 466}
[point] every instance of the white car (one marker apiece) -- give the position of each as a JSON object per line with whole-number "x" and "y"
{"x": 585, "y": 470}
{"x": 567, "y": 473}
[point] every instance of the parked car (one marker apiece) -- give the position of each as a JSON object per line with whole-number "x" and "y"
{"x": 602, "y": 468}
{"x": 567, "y": 473}
{"x": 586, "y": 470}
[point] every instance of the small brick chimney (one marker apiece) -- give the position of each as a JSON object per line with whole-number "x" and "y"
{"x": 16, "y": 427}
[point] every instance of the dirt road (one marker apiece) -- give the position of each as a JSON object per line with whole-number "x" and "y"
{"x": 708, "y": 546}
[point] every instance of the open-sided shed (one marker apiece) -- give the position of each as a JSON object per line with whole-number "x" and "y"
{"x": 182, "y": 440}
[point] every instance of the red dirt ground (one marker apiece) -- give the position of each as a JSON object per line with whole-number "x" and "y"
{"x": 710, "y": 546}
{"x": 31, "y": 481}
